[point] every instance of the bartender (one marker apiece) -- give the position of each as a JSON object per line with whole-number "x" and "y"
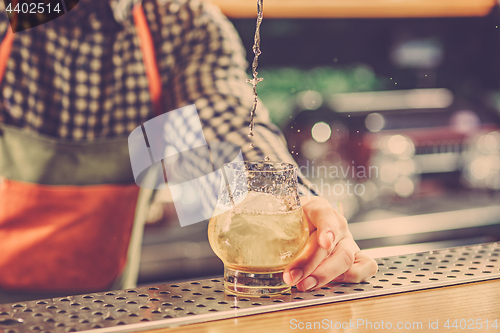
{"x": 72, "y": 90}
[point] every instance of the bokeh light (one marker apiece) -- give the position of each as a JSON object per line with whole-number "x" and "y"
{"x": 321, "y": 132}
{"x": 375, "y": 122}
{"x": 309, "y": 100}
{"x": 399, "y": 145}
{"x": 404, "y": 187}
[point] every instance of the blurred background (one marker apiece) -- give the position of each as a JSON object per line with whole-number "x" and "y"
{"x": 390, "y": 107}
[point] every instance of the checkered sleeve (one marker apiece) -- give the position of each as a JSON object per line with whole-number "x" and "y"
{"x": 210, "y": 73}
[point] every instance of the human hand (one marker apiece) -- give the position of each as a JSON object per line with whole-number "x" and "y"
{"x": 330, "y": 253}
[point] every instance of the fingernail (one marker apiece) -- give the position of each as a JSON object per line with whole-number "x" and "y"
{"x": 327, "y": 240}
{"x": 310, "y": 282}
{"x": 296, "y": 275}
{"x": 330, "y": 238}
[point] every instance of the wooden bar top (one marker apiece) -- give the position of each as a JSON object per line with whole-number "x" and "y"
{"x": 473, "y": 303}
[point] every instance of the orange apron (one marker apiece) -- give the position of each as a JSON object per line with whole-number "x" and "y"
{"x": 59, "y": 236}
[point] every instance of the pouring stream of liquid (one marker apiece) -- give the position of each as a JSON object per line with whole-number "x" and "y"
{"x": 255, "y": 63}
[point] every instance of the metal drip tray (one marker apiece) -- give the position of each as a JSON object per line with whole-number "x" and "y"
{"x": 200, "y": 301}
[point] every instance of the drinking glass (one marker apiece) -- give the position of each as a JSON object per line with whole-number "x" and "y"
{"x": 257, "y": 228}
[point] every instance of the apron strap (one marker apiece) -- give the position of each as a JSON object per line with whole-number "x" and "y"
{"x": 5, "y": 49}
{"x": 149, "y": 58}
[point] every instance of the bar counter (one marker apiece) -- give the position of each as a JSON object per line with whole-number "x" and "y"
{"x": 480, "y": 300}
{"x": 453, "y": 289}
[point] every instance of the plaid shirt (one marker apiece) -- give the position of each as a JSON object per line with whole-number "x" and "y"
{"x": 81, "y": 77}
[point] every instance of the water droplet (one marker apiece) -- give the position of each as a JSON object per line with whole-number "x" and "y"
{"x": 267, "y": 158}
{"x": 298, "y": 131}
{"x": 292, "y": 151}
{"x": 357, "y": 131}
{"x": 252, "y": 145}
{"x": 250, "y": 134}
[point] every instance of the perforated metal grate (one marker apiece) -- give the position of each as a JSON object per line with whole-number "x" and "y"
{"x": 199, "y": 301}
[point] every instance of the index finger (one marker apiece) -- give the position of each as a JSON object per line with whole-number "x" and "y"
{"x": 330, "y": 224}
